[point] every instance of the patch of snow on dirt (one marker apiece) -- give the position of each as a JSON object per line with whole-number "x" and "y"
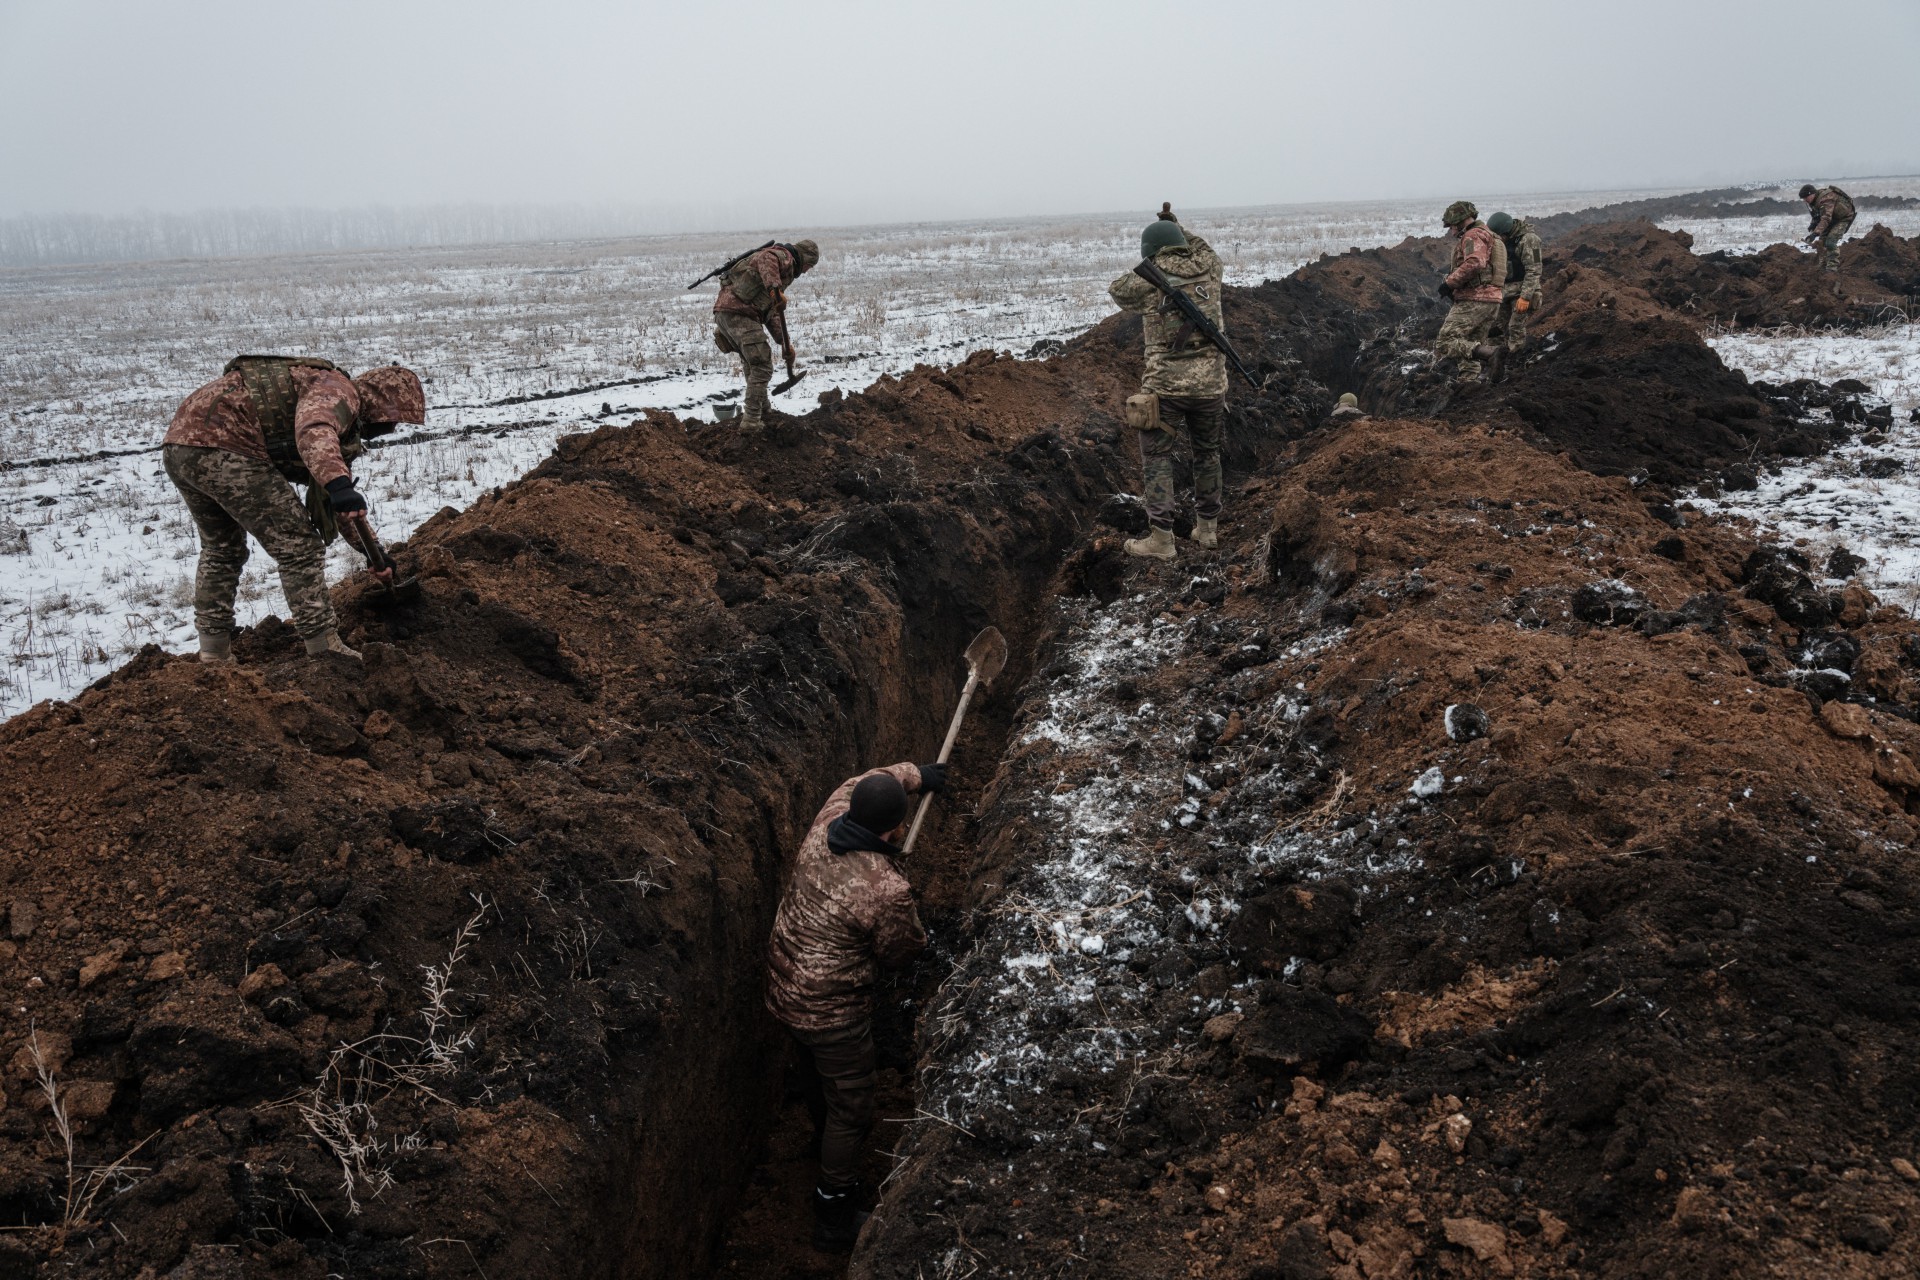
{"x": 1864, "y": 495}
{"x": 1141, "y": 859}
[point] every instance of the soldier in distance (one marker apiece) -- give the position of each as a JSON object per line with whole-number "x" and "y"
{"x": 1474, "y": 286}
{"x": 1832, "y": 214}
{"x": 846, "y": 911}
{"x": 1185, "y": 383}
{"x": 1520, "y": 296}
{"x": 752, "y": 303}
{"x": 235, "y": 449}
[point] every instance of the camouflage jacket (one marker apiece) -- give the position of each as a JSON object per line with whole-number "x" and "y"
{"x": 1479, "y": 265}
{"x": 1194, "y": 367}
{"x": 1523, "y": 263}
{"x": 1831, "y": 208}
{"x": 221, "y": 415}
{"x": 842, "y": 916}
{"x": 756, "y": 284}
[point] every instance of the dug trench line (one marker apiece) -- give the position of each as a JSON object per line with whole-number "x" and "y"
{"x": 454, "y": 963}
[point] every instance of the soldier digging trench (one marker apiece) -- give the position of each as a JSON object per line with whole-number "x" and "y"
{"x": 753, "y": 303}
{"x": 1475, "y": 286}
{"x": 235, "y": 449}
{"x": 1185, "y": 383}
{"x": 1832, "y": 214}
{"x": 847, "y": 910}
{"x": 1520, "y": 296}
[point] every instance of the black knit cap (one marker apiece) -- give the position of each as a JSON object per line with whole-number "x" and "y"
{"x": 879, "y": 803}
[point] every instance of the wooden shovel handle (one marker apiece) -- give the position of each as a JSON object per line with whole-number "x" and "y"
{"x": 946, "y": 749}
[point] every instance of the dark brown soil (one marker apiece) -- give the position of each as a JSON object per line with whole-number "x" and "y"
{"x": 589, "y": 749}
{"x": 1649, "y": 965}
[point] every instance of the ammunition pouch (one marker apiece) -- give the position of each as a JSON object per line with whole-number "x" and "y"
{"x": 1143, "y": 412}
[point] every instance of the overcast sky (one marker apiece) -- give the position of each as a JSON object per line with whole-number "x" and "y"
{"x": 837, "y": 110}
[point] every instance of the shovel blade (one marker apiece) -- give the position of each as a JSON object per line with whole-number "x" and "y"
{"x": 784, "y": 387}
{"x": 987, "y": 655}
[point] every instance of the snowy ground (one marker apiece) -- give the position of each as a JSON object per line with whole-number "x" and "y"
{"x": 1843, "y": 499}
{"x": 1751, "y": 235}
{"x": 96, "y": 557}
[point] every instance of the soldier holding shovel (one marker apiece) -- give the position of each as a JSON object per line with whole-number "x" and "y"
{"x": 752, "y": 303}
{"x": 848, "y": 910}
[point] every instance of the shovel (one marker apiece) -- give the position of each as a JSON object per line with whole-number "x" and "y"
{"x": 787, "y": 386}
{"x": 985, "y": 658}
{"x": 394, "y": 589}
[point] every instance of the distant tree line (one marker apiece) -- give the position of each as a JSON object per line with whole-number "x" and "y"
{"x": 49, "y": 239}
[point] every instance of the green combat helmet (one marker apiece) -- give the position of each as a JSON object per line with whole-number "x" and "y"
{"x": 1458, "y": 212}
{"x": 1162, "y": 233}
{"x": 1500, "y": 223}
{"x": 807, "y": 254}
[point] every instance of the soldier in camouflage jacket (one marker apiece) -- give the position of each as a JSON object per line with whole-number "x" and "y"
{"x": 847, "y": 911}
{"x": 1831, "y": 217}
{"x": 1474, "y": 286}
{"x": 233, "y": 450}
{"x": 1185, "y": 383}
{"x": 752, "y": 301}
{"x": 1521, "y": 296}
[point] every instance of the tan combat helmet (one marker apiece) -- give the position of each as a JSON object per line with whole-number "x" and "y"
{"x": 1348, "y": 400}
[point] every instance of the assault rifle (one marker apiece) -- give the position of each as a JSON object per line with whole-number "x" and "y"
{"x": 1196, "y": 318}
{"x": 728, "y": 265}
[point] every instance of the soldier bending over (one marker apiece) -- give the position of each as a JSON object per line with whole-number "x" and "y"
{"x": 1832, "y": 217}
{"x": 752, "y": 302}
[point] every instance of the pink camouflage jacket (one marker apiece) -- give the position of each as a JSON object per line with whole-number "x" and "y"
{"x": 773, "y": 269}
{"x": 1476, "y": 254}
{"x": 221, "y": 415}
{"x": 842, "y": 916}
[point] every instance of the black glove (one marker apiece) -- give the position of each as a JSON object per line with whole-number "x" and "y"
{"x": 342, "y": 496}
{"x": 933, "y": 779}
{"x": 1446, "y": 290}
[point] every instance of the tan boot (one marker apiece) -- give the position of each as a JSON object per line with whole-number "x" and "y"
{"x": 1158, "y": 544}
{"x": 216, "y": 651}
{"x": 1206, "y": 532}
{"x": 330, "y": 642}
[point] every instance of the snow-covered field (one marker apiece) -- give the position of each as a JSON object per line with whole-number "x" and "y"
{"x": 96, "y": 556}
{"x": 1751, "y": 235}
{"x": 1864, "y": 496}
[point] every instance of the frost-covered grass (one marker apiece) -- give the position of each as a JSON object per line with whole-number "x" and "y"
{"x": 1840, "y": 499}
{"x": 96, "y": 558}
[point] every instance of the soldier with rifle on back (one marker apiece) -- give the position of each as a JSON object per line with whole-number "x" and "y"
{"x": 1831, "y": 217}
{"x": 1176, "y": 291}
{"x": 753, "y": 302}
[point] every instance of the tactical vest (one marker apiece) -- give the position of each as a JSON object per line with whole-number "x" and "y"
{"x": 269, "y": 384}
{"x": 1497, "y": 267}
{"x": 1515, "y": 269}
{"x": 744, "y": 279}
{"x": 1843, "y": 208}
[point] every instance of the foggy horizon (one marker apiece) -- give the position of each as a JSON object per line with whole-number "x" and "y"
{"x": 860, "y": 114}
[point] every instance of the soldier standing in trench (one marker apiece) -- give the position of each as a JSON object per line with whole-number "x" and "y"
{"x": 1521, "y": 294}
{"x": 1475, "y": 286}
{"x": 1832, "y": 217}
{"x": 1185, "y": 383}
{"x": 753, "y": 302}
{"x": 237, "y": 446}
{"x": 846, "y": 911}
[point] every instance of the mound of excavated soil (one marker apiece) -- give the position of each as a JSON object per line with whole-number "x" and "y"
{"x": 633, "y": 675}
{"x": 452, "y": 964}
{"x": 1622, "y": 986}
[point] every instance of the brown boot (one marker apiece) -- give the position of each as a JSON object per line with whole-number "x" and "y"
{"x": 1206, "y": 531}
{"x": 330, "y": 642}
{"x": 1158, "y": 543}
{"x": 217, "y": 651}
{"x": 1494, "y": 358}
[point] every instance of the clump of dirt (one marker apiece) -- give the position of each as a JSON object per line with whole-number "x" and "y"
{"x": 1459, "y": 875}
{"x": 465, "y": 948}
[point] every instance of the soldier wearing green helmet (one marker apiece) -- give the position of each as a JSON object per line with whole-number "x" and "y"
{"x": 1520, "y": 296}
{"x": 1185, "y": 382}
{"x": 1474, "y": 286}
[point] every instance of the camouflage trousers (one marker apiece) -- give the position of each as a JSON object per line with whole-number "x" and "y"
{"x": 749, "y": 338}
{"x": 1203, "y": 417}
{"x": 1465, "y": 328}
{"x": 1510, "y": 326}
{"x": 229, "y": 497}
{"x": 837, "y": 1079}
{"x": 1830, "y": 245}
